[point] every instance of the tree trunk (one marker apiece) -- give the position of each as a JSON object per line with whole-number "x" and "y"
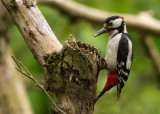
{"x": 71, "y": 70}
{"x": 13, "y": 99}
{"x": 72, "y": 76}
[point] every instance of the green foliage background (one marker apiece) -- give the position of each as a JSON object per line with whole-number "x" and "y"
{"x": 141, "y": 94}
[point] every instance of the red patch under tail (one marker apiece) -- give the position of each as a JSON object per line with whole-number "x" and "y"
{"x": 111, "y": 80}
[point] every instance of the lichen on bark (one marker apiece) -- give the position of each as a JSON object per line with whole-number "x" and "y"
{"x": 72, "y": 75}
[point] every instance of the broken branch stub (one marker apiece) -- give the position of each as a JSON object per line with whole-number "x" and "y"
{"x": 72, "y": 75}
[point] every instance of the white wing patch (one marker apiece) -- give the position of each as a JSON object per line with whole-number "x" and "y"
{"x": 122, "y": 72}
{"x": 121, "y": 64}
{"x": 128, "y": 64}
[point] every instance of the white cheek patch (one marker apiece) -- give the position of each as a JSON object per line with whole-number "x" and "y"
{"x": 117, "y": 23}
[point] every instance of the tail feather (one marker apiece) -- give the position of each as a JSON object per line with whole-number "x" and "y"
{"x": 111, "y": 82}
{"x": 100, "y": 94}
{"x": 118, "y": 92}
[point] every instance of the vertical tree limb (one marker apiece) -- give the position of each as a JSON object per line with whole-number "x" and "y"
{"x": 152, "y": 51}
{"x": 13, "y": 98}
{"x": 71, "y": 70}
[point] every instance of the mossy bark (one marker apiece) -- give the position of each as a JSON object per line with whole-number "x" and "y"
{"x": 71, "y": 70}
{"x": 72, "y": 76}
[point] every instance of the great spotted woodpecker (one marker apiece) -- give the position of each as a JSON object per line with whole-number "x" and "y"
{"x": 119, "y": 54}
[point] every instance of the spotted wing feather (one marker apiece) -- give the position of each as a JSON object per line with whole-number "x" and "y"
{"x": 124, "y": 61}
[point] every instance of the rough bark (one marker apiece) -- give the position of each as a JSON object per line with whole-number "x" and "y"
{"x": 71, "y": 70}
{"x": 143, "y": 21}
{"x": 13, "y": 99}
{"x": 78, "y": 66}
{"x": 33, "y": 27}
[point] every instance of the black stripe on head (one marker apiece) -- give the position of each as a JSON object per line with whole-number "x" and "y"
{"x": 111, "y": 18}
{"x": 120, "y": 28}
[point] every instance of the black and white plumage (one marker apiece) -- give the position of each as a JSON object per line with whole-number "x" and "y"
{"x": 119, "y": 53}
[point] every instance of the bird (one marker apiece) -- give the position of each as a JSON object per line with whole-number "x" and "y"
{"x": 119, "y": 54}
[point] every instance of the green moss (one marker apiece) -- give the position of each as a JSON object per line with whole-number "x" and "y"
{"x": 76, "y": 57}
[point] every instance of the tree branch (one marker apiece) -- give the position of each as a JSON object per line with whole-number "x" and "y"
{"x": 12, "y": 90}
{"x": 152, "y": 51}
{"x": 143, "y": 21}
{"x": 33, "y": 27}
{"x": 71, "y": 70}
{"x": 29, "y": 75}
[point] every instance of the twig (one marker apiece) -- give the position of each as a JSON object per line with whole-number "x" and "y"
{"x": 16, "y": 62}
{"x": 29, "y": 75}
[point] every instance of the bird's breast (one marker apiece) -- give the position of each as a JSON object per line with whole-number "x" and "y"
{"x": 111, "y": 52}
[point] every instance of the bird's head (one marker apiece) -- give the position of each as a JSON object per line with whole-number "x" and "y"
{"x": 111, "y": 24}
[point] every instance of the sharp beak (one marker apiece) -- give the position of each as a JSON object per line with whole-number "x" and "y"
{"x": 101, "y": 31}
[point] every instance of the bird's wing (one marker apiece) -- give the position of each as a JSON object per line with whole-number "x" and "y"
{"x": 124, "y": 61}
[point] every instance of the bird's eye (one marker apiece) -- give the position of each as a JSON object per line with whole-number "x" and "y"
{"x": 110, "y": 23}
